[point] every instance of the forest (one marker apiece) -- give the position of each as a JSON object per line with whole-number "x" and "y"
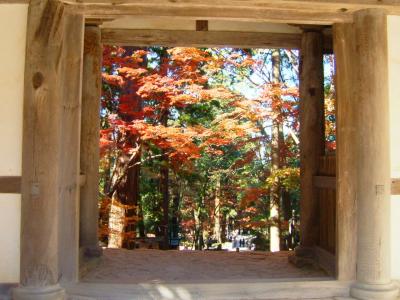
{"x": 200, "y": 146}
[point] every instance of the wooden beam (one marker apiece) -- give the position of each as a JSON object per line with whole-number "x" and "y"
{"x": 183, "y": 38}
{"x": 396, "y": 186}
{"x": 325, "y": 182}
{"x": 275, "y": 14}
{"x": 313, "y": 5}
{"x": 329, "y": 182}
{"x": 10, "y": 184}
{"x": 14, "y": 1}
{"x": 303, "y": 11}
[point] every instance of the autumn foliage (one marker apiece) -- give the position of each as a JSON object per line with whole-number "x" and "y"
{"x": 184, "y": 152}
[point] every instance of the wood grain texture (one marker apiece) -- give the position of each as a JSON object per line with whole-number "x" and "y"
{"x": 312, "y": 140}
{"x": 185, "y": 38}
{"x": 14, "y": 1}
{"x": 89, "y": 160}
{"x": 50, "y": 158}
{"x": 210, "y": 12}
{"x": 10, "y": 184}
{"x": 41, "y": 149}
{"x": 372, "y": 144}
{"x": 70, "y": 74}
{"x": 312, "y": 5}
{"x": 346, "y": 170}
{"x": 283, "y": 11}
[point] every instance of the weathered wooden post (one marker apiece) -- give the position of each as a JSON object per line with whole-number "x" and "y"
{"x": 312, "y": 139}
{"x": 373, "y": 156}
{"x": 50, "y": 177}
{"x": 346, "y": 154}
{"x": 89, "y": 160}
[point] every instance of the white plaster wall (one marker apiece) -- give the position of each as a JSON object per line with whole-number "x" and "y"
{"x": 13, "y": 19}
{"x": 394, "y": 94}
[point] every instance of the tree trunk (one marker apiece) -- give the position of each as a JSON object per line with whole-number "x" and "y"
{"x": 140, "y": 224}
{"x": 127, "y": 191}
{"x": 175, "y": 214}
{"x": 217, "y": 212}
{"x": 164, "y": 189}
{"x": 275, "y": 163}
{"x": 198, "y": 238}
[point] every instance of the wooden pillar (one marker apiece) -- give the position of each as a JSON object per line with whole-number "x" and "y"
{"x": 89, "y": 160}
{"x": 70, "y": 87}
{"x": 50, "y": 171}
{"x": 346, "y": 154}
{"x": 373, "y": 157}
{"x": 312, "y": 135}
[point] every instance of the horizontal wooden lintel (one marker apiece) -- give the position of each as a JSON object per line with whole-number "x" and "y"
{"x": 199, "y": 11}
{"x": 313, "y": 7}
{"x": 329, "y": 182}
{"x": 10, "y": 184}
{"x": 14, "y": 1}
{"x": 187, "y": 38}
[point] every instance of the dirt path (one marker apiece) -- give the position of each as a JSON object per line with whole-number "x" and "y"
{"x": 156, "y": 266}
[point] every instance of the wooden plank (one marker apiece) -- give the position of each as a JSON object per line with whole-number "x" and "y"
{"x": 346, "y": 233}
{"x": 325, "y": 182}
{"x": 396, "y": 186}
{"x": 183, "y": 38}
{"x": 10, "y": 184}
{"x": 214, "y": 12}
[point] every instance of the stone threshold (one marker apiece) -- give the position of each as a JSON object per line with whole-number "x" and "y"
{"x": 315, "y": 288}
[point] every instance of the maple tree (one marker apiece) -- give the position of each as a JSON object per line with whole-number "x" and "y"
{"x": 187, "y": 152}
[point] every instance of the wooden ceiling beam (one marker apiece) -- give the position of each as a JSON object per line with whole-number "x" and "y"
{"x": 215, "y": 12}
{"x": 327, "y": 6}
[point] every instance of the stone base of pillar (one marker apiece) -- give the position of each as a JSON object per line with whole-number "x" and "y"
{"x": 364, "y": 291}
{"x": 54, "y": 292}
